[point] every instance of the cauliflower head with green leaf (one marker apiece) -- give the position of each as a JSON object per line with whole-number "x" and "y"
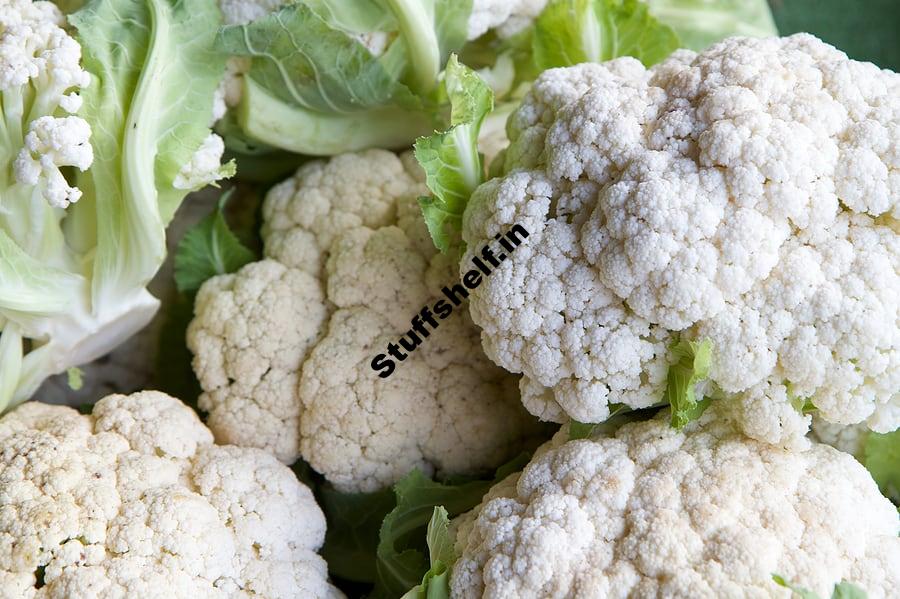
{"x": 135, "y": 500}
{"x": 283, "y": 347}
{"x": 651, "y": 511}
{"x": 748, "y": 195}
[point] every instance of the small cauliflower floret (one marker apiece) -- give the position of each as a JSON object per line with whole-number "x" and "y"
{"x": 239, "y": 12}
{"x": 52, "y": 143}
{"x": 205, "y": 166}
{"x": 136, "y": 501}
{"x": 283, "y": 347}
{"x": 849, "y": 439}
{"x": 508, "y": 17}
{"x": 700, "y": 513}
{"x": 743, "y": 195}
{"x": 40, "y": 67}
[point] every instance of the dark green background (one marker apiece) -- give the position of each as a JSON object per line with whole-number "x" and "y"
{"x": 864, "y": 29}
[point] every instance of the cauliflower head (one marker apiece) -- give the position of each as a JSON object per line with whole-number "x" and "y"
{"x": 747, "y": 195}
{"x": 135, "y": 500}
{"x": 282, "y": 348}
{"x": 700, "y": 513}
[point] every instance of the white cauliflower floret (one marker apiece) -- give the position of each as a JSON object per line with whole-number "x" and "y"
{"x": 40, "y": 67}
{"x": 52, "y": 143}
{"x": 701, "y": 513}
{"x": 508, "y": 17}
{"x": 743, "y": 195}
{"x": 136, "y": 501}
{"x": 205, "y": 166}
{"x": 283, "y": 347}
{"x": 240, "y": 12}
{"x": 849, "y": 439}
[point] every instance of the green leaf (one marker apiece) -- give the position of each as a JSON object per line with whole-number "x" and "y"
{"x": 209, "y": 249}
{"x": 31, "y": 288}
{"x": 804, "y": 405}
{"x": 402, "y": 564}
{"x": 691, "y": 367}
{"x": 451, "y": 161}
{"x": 430, "y": 31}
{"x": 10, "y": 363}
{"x": 799, "y": 591}
{"x": 75, "y": 378}
{"x": 842, "y": 590}
{"x": 440, "y": 543}
{"x": 700, "y": 23}
{"x": 267, "y": 119}
{"x": 313, "y": 88}
{"x": 304, "y": 62}
{"x": 149, "y": 104}
{"x": 848, "y": 590}
{"x": 882, "y": 458}
{"x": 354, "y": 522}
{"x": 570, "y": 32}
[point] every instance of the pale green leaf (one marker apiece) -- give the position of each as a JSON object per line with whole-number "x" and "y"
{"x": 699, "y": 23}
{"x": 210, "y": 248}
{"x": 882, "y": 459}
{"x": 149, "y": 104}
{"x": 451, "y": 161}
{"x": 691, "y": 367}
{"x": 571, "y": 32}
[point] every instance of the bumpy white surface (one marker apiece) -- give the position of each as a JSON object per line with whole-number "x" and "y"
{"x": 654, "y": 512}
{"x": 136, "y": 501}
{"x": 748, "y": 195}
{"x": 283, "y": 347}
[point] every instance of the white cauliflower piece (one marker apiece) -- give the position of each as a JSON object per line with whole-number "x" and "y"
{"x": 205, "y": 166}
{"x": 51, "y": 143}
{"x": 743, "y": 195}
{"x": 240, "y": 12}
{"x": 508, "y": 17}
{"x": 40, "y": 65}
{"x": 283, "y": 347}
{"x": 849, "y": 439}
{"x": 701, "y": 513}
{"x": 136, "y": 501}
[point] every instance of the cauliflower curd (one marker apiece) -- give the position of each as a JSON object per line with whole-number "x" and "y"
{"x": 136, "y": 501}
{"x": 697, "y": 514}
{"x": 283, "y": 347}
{"x": 748, "y": 195}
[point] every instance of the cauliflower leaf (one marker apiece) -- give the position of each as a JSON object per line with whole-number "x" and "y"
{"x": 570, "y": 32}
{"x": 882, "y": 458}
{"x": 451, "y": 161}
{"x": 322, "y": 81}
{"x": 209, "y": 249}
{"x": 700, "y": 23}
{"x": 692, "y": 363}
{"x": 842, "y": 590}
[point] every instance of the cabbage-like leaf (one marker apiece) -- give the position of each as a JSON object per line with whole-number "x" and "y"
{"x": 569, "y": 32}
{"x": 451, "y": 161}
{"x": 842, "y": 590}
{"x": 700, "y": 23}
{"x": 691, "y": 367}
{"x": 882, "y": 459}
{"x": 210, "y": 248}
{"x": 314, "y": 88}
